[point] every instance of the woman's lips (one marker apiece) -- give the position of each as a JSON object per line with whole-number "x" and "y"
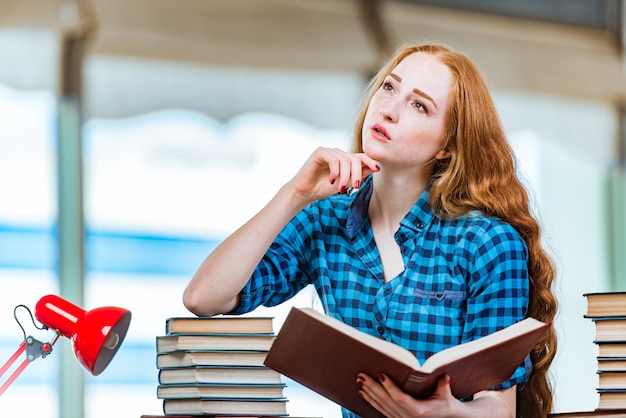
{"x": 380, "y": 133}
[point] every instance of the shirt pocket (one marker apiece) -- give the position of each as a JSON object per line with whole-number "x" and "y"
{"x": 440, "y": 297}
{"x": 441, "y": 306}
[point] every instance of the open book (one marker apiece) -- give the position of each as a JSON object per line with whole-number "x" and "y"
{"x": 326, "y": 355}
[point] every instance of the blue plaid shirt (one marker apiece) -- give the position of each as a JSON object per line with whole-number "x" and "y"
{"x": 464, "y": 278}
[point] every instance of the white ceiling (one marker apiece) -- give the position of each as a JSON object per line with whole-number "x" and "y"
{"x": 332, "y": 35}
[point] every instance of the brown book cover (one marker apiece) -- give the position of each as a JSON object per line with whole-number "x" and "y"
{"x": 326, "y": 356}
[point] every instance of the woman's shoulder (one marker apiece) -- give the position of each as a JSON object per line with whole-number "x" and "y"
{"x": 331, "y": 210}
{"x": 477, "y": 225}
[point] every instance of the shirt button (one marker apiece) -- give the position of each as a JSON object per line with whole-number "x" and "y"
{"x": 420, "y": 225}
{"x": 387, "y": 291}
{"x": 380, "y": 329}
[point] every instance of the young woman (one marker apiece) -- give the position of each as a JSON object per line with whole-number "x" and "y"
{"x": 434, "y": 245}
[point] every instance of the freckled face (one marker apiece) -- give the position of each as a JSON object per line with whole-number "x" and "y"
{"x": 405, "y": 121}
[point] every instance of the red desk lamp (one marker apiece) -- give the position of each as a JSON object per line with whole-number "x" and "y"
{"x": 96, "y": 335}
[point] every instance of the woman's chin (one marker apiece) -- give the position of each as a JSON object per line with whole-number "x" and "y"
{"x": 372, "y": 151}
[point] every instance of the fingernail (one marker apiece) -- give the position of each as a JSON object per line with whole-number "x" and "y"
{"x": 343, "y": 189}
{"x": 377, "y": 167}
{"x": 357, "y": 184}
{"x": 332, "y": 181}
{"x": 381, "y": 377}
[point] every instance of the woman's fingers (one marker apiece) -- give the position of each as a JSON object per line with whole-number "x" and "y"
{"x": 377, "y": 395}
{"x": 344, "y": 169}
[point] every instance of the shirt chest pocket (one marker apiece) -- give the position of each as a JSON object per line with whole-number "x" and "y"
{"x": 440, "y": 298}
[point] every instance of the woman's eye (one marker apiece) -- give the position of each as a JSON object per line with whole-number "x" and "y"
{"x": 387, "y": 86}
{"x": 419, "y": 106}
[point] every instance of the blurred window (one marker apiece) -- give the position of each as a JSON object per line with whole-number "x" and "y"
{"x": 27, "y": 240}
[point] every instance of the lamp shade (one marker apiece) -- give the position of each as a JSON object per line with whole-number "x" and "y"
{"x": 96, "y": 335}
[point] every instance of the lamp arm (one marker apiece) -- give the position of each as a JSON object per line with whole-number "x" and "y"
{"x": 34, "y": 349}
{"x": 17, "y": 371}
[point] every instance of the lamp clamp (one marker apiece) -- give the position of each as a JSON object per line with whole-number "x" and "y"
{"x": 36, "y": 349}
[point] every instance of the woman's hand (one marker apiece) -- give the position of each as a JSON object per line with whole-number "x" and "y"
{"x": 392, "y": 402}
{"x": 331, "y": 170}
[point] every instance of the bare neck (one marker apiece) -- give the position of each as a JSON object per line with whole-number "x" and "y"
{"x": 392, "y": 198}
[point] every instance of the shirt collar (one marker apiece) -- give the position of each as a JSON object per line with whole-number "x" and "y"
{"x": 417, "y": 219}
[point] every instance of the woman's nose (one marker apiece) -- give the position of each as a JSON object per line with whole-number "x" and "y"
{"x": 389, "y": 112}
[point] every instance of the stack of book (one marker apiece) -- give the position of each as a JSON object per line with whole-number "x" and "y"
{"x": 214, "y": 366}
{"x": 608, "y": 312}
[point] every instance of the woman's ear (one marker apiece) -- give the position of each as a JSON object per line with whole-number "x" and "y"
{"x": 443, "y": 154}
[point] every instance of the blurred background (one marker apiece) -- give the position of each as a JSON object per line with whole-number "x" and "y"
{"x": 136, "y": 134}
